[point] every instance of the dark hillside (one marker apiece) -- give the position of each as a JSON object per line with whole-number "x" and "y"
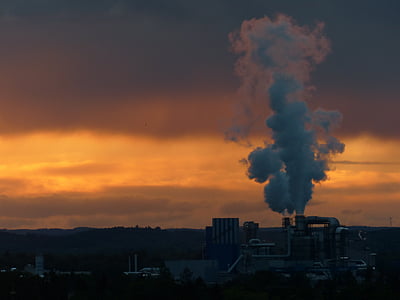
{"x": 108, "y": 240}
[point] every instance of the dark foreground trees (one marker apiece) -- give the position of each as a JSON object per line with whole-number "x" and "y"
{"x": 263, "y": 285}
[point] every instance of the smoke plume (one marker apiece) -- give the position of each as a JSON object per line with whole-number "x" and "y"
{"x": 276, "y": 59}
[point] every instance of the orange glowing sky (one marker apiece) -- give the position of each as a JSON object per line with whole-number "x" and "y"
{"x": 106, "y": 180}
{"x": 114, "y": 114}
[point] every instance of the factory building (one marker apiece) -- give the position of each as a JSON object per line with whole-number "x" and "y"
{"x": 318, "y": 246}
{"x": 303, "y": 243}
{"x": 309, "y": 242}
{"x": 250, "y": 229}
{"x": 222, "y": 242}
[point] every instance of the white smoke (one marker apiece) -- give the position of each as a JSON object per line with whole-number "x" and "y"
{"x": 276, "y": 59}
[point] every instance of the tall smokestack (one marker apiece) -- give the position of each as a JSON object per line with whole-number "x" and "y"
{"x": 277, "y": 57}
{"x": 300, "y": 222}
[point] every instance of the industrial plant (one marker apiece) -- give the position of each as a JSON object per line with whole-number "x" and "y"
{"x": 320, "y": 247}
{"x": 295, "y": 157}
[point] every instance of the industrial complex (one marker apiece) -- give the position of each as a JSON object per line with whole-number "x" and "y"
{"x": 318, "y": 246}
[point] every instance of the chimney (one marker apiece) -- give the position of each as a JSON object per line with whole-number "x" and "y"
{"x": 300, "y": 224}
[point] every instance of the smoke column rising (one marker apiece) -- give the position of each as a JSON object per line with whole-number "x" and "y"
{"x": 276, "y": 59}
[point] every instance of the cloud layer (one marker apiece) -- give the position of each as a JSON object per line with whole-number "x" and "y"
{"x": 114, "y": 66}
{"x": 89, "y": 180}
{"x": 99, "y": 99}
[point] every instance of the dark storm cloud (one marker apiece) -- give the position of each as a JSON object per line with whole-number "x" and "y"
{"x": 112, "y": 65}
{"x": 66, "y": 204}
{"x": 152, "y": 203}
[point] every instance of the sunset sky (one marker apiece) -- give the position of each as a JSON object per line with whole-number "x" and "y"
{"x": 114, "y": 113}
